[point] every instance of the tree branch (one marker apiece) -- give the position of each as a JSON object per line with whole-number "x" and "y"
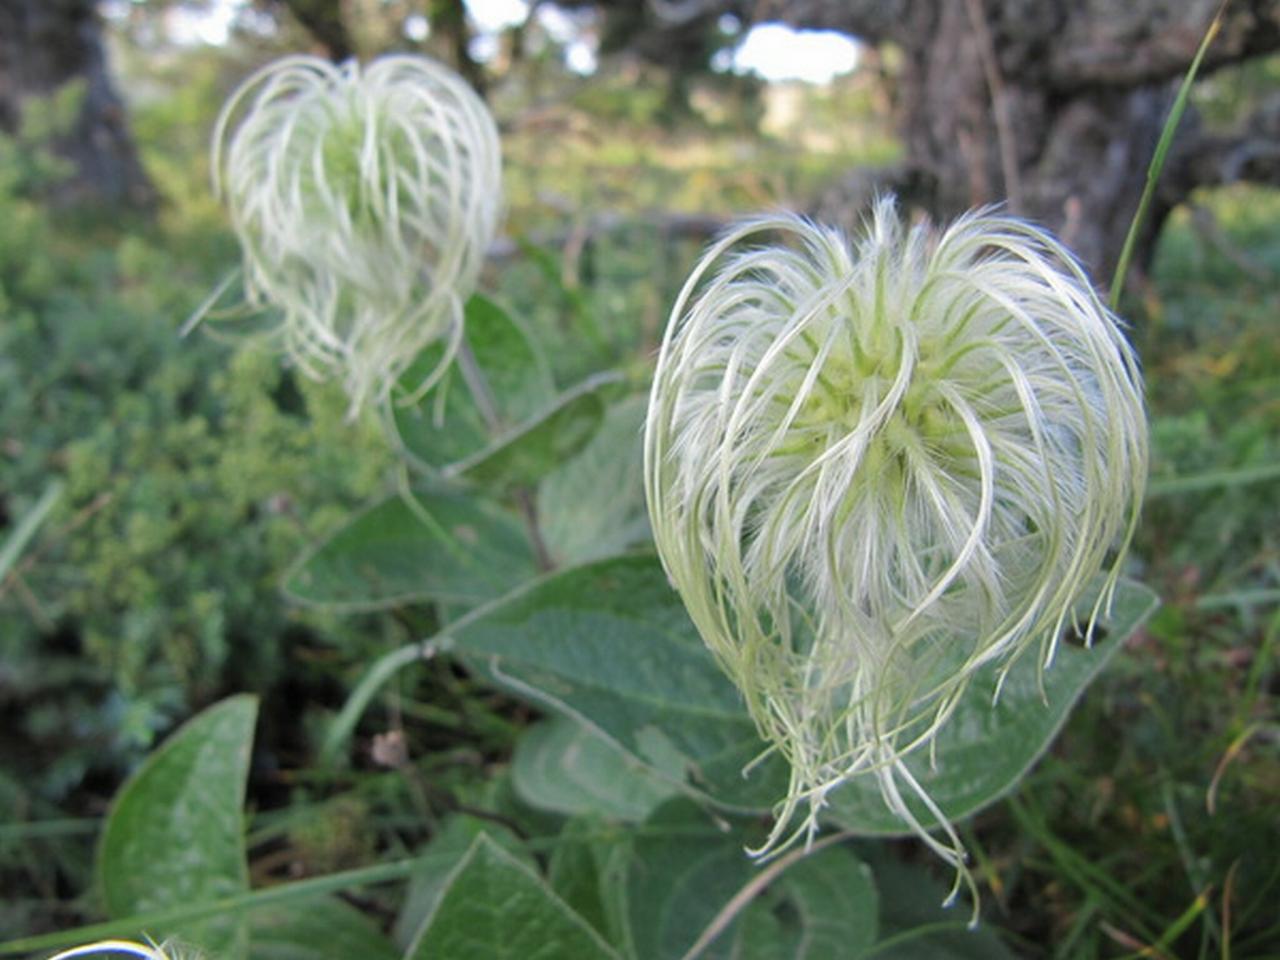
{"x": 1148, "y": 41}
{"x": 1250, "y": 154}
{"x": 872, "y": 21}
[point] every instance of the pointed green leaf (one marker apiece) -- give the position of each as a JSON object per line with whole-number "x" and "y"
{"x": 524, "y": 455}
{"x": 436, "y": 864}
{"x": 445, "y": 547}
{"x": 320, "y": 929}
{"x": 915, "y": 926}
{"x": 593, "y": 506}
{"x": 588, "y": 871}
{"x": 610, "y": 644}
{"x": 513, "y": 365}
{"x": 516, "y": 375}
{"x": 496, "y": 908}
{"x": 686, "y": 868}
{"x": 683, "y": 871}
{"x": 825, "y": 905}
{"x": 986, "y": 748}
{"x": 175, "y": 833}
{"x": 562, "y": 766}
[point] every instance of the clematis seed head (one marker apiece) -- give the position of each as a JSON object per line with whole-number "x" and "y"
{"x": 364, "y": 200}
{"x": 875, "y": 465}
{"x": 144, "y": 951}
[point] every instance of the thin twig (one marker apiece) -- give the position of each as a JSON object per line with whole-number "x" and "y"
{"x": 1232, "y": 751}
{"x": 753, "y": 888}
{"x": 1228, "y": 889}
{"x": 999, "y": 106}
{"x": 1139, "y": 948}
{"x": 37, "y": 613}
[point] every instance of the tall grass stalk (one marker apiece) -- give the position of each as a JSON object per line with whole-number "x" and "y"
{"x": 1161, "y": 154}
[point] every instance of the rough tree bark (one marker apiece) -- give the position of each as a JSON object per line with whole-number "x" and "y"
{"x": 44, "y": 45}
{"x": 449, "y": 17}
{"x": 1053, "y": 107}
{"x": 330, "y": 22}
{"x": 324, "y": 21}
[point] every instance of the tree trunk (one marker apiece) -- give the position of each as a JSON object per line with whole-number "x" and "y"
{"x": 1051, "y": 107}
{"x": 982, "y": 125}
{"x": 1054, "y": 108}
{"x": 449, "y": 17}
{"x": 323, "y": 19}
{"x": 45, "y": 45}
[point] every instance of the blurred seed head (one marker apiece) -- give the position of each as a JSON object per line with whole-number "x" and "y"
{"x": 146, "y": 951}
{"x": 876, "y": 465}
{"x": 364, "y": 201}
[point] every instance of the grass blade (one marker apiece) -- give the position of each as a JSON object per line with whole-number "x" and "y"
{"x": 1161, "y": 154}
{"x": 283, "y": 893}
{"x": 18, "y": 539}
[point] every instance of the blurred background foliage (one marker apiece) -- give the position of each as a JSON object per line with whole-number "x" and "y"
{"x": 197, "y": 469}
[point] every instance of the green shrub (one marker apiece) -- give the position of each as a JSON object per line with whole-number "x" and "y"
{"x": 195, "y": 471}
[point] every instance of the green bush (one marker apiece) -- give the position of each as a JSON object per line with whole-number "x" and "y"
{"x": 195, "y": 471}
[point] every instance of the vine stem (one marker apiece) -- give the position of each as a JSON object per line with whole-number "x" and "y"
{"x": 752, "y": 889}
{"x": 382, "y": 670}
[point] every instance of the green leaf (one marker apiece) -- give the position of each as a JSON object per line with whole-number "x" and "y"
{"x": 445, "y": 547}
{"x": 437, "y": 862}
{"x": 593, "y": 506}
{"x": 588, "y": 871}
{"x": 915, "y": 926}
{"x": 562, "y": 766}
{"x": 496, "y": 908}
{"x": 611, "y": 645}
{"x": 826, "y": 905}
{"x": 320, "y": 929}
{"x": 516, "y": 375}
{"x": 683, "y": 871}
{"x": 527, "y": 453}
{"x": 986, "y": 748}
{"x": 175, "y": 833}
{"x": 514, "y": 367}
{"x": 686, "y": 869}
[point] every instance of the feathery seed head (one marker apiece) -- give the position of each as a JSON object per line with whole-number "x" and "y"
{"x": 364, "y": 201}
{"x": 873, "y": 467}
{"x": 144, "y": 951}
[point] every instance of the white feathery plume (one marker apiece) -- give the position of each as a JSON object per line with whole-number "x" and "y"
{"x": 364, "y": 200}
{"x": 144, "y": 951}
{"x": 875, "y": 466}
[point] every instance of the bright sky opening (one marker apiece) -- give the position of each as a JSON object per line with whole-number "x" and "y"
{"x": 777, "y": 52}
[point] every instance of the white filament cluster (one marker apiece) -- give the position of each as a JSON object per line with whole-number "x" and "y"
{"x": 144, "y": 951}
{"x": 874, "y": 467}
{"x": 364, "y": 201}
